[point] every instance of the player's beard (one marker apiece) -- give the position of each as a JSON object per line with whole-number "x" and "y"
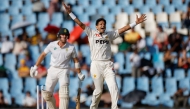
{"x": 63, "y": 40}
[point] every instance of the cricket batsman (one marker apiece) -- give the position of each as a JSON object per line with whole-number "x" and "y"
{"x": 100, "y": 47}
{"x": 61, "y": 54}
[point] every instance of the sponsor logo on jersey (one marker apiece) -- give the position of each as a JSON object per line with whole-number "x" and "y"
{"x": 55, "y": 48}
{"x": 97, "y": 35}
{"x": 102, "y": 41}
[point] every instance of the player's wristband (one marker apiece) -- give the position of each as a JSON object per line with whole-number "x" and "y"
{"x": 132, "y": 25}
{"x": 72, "y": 16}
{"x": 77, "y": 65}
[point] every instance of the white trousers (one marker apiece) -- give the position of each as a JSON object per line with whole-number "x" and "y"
{"x": 54, "y": 75}
{"x": 100, "y": 71}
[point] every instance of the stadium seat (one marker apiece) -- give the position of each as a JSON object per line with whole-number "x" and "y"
{"x": 30, "y": 85}
{"x": 34, "y": 49}
{"x": 72, "y": 2}
{"x": 116, "y": 10}
{"x": 150, "y": 3}
{"x": 143, "y": 84}
{"x": 169, "y": 9}
{"x": 16, "y": 3}
{"x": 46, "y": 3}
{"x": 4, "y": 85}
{"x": 162, "y": 19}
{"x": 166, "y": 100}
{"x": 68, "y": 24}
{"x": 132, "y": 19}
{"x": 1, "y": 59}
{"x": 10, "y": 59}
{"x": 103, "y": 10}
{"x": 157, "y": 9}
{"x": 123, "y": 3}
{"x": 74, "y": 81}
{"x": 150, "y": 99}
{"x": 168, "y": 72}
{"x": 184, "y": 84}
{"x": 87, "y": 81}
{"x": 19, "y": 99}
{"x": 97, "y": 3}
{"x": 164, "y": 2}
{"x": 171, "y": 86}
{"x": 57, "y": 19}
{"x": 31, "y": 18}
{"x": 16, "y": 87}
{"x": 137, "y": 3}
{"x": 128, "y": 85}
{"x": 26, "y": 10}
{"x": 157, "y": 85}
{"x": 42, "y": 81}
{"x": 150, "y": 26}
{"x": 84, "y": 3}
{"x": 84, "y": 18}
{"x": 110, "y": 18}
{"x": 31, "y": 30}
{"x": 16, "y": 19}
{"x": 43, "y": 17}
{"x": 179, "y": 74}
{"x": 182, "y": 8}
{"x": 175, "y": 19}
{"x": 90, "y": 10}
{"x": 13, "y": 10}
{"x": 149, "y": 41}
{"x": 4, "y": 18}
{"x": 4, "y": 4}
{"x": 129, "y": 9}
{"x": 78, "y": 10}
{"x": 110, "y": 3}
{"x": 176, "y": 3}
{"x": 144, "y": 9}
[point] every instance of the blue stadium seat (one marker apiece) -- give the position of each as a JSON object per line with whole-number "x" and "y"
{"x": 137, "y": 3}
{"x": 166, "y": 100}
{"x": 31, "y": 30}
{"x": 179, "y": 74}
{"x": 78, "y": 10}
{"x": 110, "y": 18}
{"x": 129, "y": 9}
{"x": 10, "y": 59}
{"x": 26, "y": 10}
{"x": 150, "y": 99}
{"x": 84, "y": 17}
{"x": 164, "y": 2}
{"x": 16, "y": 19}
{"x": 97, "y": 3}
{"x": 149, "y": 41}
{"x": 176, "y": 3}
{"x": 28, "y": 3}
{"x": 169, "y": 9}
{"x": 31, "y": 18}
{"x": 115, "y": 10}
{"x": 83, "y": 3}
{"x": 90, "y": 10}
{"x": 157, "y": 85}
{"x": 85, "y": 49}
{"x": 43, "y": 17}
{"x": 123, "y": 3}
{"x": 8, "y": 98}
{"x": 16, "y": 87}
{"x": 68, "y": 24}
{"x": 74, "y": 81}
{"x": 4, "y": 18}
{"x": 185, "y": 84}
{"x": 126, "y": 105}
{"x": 57, "y": 19}
{"x": 16, "y": 3}
{"x": 119, "y": 58}
{"x": 19, "y": 99}
{"x": 13, "y": 10}
{"x": 128, "y": 85}
{"x": 42, "y": 81}
{"x": 171, "y": 86}
{"x": 144, "y": 9}
{"x": 87, "y": 81}
{"x": 143, "y": 84}
{"x": 103, "y": 10}
{"x": 147, "y": 55}
{"x": 34, "y": 49}
{"x": 178, "y": 25}
{"x": 168, "y": 72}
{"x": 73, "y": 2}
{"x": 188, "y": 73}
{"x": 128, "y": 63}
{"x": 4, "y": 4}
{"x": 157, "y": 9}
{"x": 4, "y": 85}
{"x": 1, "y": 59}
{"x": 47, "y": 60}
{"x": 30, "y": 85}
{"x": 150, "y": 3}
{"x": 46, "y": 3}
{"x": 110, "y": 3}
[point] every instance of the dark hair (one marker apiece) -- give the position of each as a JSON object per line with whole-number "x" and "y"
{"x": 100, "y": 19}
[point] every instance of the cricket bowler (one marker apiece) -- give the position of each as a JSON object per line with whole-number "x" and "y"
{"x": 100, "y": 47}
{"x": 61, "y": 54}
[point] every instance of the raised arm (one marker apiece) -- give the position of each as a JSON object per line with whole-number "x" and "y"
{"x": 68, "y": 9}
{"x": 132, "y": 25}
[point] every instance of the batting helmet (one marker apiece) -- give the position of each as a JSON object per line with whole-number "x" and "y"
{"x": 63, "y": 31}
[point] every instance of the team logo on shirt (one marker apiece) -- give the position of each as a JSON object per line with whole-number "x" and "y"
{"x": 94, "y": 75}
{"x": 106, "y": 37}
{"x": 97, "y": 35}
{"x": 66, "y": 49}
{"x": 55, "y": 48}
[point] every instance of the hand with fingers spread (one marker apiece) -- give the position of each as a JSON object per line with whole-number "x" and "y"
{"x": 67, "y": 8}
{"x": 140, "y": 19}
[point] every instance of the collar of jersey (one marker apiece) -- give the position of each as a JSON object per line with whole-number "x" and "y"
{"x": 102, "y": 33}
{"x": 63, "y": 46}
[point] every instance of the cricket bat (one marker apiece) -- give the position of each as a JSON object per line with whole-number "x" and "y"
{"x": 78, "y": 96}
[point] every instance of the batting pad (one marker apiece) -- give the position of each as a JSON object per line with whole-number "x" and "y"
{"x": 48, "y": 97}
{"x": 64, "y": 97}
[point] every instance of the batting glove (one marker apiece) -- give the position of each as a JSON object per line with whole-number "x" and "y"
{"x": 33, "y": 71}
{"x": 81, "y": 76}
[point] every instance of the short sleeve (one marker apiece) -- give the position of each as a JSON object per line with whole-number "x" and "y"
{"x": 88, "y": 31}
{"x": 47, "y": 49}
{"x": 113, "y": 34}
{"x": 74, "y": 54}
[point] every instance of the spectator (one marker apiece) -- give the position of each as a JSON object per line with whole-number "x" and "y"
{"x": 180, "y": 98}
{"x": 7, "y": 46}
{"x": 184, "y": 61}
{"x": 29, "y": 101}
{"x": 175, "y": 40}
{"x": 3, "y": 72}
{"x": 186, "y": 18}
{"x": 28, "y": 60}
{"x": 19, "y": 46}
{"x": 3, "y": 101}
{"x": 132, "y": 37}
{"x": 24, "y": 70}
{"x": 38, "y": 6}
{"x": 36, "y": 39}
{"x": 135, "y": 63}
{"x": 160, "y": 38}
{"x": 13, "y": 103}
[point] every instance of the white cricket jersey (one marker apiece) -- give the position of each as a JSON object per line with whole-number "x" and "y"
{"x": 100, "y": 44}
{"x": 60, "y": 57}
